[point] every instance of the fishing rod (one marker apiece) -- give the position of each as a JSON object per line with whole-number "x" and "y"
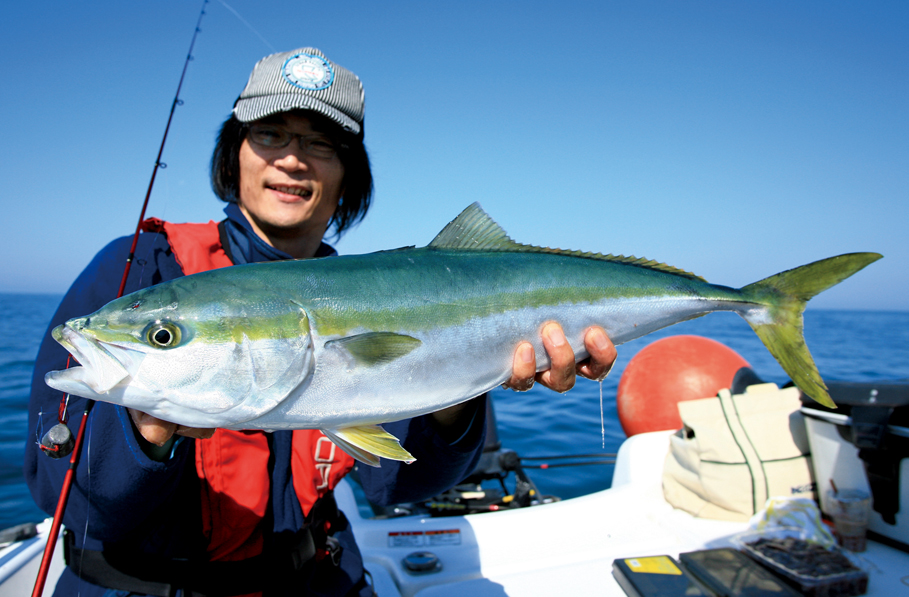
{"x": 59, "y": 439}
{"x": 563, "y": 456}
{"x": 547, "y": 466}
{"x": 602, "y": 459}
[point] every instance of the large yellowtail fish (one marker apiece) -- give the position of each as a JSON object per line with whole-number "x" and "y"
{"x": 344, "y": 344}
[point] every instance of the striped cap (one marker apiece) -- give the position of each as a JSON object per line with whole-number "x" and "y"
{"x": 303, "y": 79}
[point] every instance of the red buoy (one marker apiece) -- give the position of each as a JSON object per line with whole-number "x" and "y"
{"x": 670, "y": 371}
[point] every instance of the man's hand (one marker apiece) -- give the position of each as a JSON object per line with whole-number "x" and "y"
{"x": 561, "y": 376}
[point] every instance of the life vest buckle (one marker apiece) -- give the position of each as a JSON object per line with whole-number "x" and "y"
{"x": 332, "y": 551}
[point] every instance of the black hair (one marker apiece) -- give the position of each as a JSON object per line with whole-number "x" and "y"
{"x": 358, "y": 186}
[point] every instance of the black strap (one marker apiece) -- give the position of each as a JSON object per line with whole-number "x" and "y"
{"x": 92, "y": 566}
{"x": 146, "y": 574}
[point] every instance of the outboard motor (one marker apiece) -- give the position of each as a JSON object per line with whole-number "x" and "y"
{"x": 874, "y": 418}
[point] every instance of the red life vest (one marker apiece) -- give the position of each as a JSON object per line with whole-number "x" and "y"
{"x": 233, "y": 465}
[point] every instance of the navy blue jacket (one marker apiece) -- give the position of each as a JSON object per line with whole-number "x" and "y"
{"x": 123, "y": 500}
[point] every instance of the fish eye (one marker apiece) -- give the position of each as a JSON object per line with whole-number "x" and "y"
{"x": 163, "y": 334}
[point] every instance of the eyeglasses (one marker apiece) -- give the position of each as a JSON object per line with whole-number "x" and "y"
{"x": 275, "y": 137}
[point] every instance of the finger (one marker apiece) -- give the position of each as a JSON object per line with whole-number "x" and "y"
{"x": 152, "y": 429}
{"x": 194, "y": 432}
{"x": 602, "y": 355}
{"x": 561, "y": 375}
{"x": 523, "y": 369}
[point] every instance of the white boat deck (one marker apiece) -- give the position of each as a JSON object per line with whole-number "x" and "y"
{"x": 565, "y": 548}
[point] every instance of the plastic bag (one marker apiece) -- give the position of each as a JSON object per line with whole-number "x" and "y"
{"x": 799, "y": 513}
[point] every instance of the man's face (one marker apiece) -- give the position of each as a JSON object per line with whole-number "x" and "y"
{"x": 285, "y": 192}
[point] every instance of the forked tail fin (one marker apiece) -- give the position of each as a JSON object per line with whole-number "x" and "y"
{"x": 779, "y": 326}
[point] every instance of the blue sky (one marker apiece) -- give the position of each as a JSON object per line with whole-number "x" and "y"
{"x": 732, "y": 139}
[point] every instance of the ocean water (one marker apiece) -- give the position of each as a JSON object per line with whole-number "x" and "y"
{"x": 27, "y": 318}
{"x": 847, "y": 345}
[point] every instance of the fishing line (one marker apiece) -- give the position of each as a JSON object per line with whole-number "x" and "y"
{"x": 88, "y": 508}
{"x": 242, "y": 20}
{"x": 74, "y": 458}
{"x": 59, "y": 441}
{"x": 61, "y": 505}
{"x": 602, "y": 418}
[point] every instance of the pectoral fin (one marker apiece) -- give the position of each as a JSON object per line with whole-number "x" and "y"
{"x": 375, "y": 348}
{"x": 367, "y": 443}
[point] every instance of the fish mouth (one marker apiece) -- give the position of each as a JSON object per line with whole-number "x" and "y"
{"x": 103, "y": 366}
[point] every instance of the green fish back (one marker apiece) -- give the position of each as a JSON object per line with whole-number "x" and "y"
{"x": 474, "y": 230}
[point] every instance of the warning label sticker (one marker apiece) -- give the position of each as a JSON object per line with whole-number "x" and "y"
{"x": 424, "y": 538}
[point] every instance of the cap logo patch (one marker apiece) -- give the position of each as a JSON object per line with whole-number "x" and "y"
{"x": 308, "y": 72}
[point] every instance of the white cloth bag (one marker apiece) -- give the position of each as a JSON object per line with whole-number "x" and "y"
{"x": 735, "y": 452}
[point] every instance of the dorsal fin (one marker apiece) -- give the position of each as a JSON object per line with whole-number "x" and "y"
{"x": 474, "y": 230}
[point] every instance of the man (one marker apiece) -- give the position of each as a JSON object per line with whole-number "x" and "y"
{"x": 158, "y": 507}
